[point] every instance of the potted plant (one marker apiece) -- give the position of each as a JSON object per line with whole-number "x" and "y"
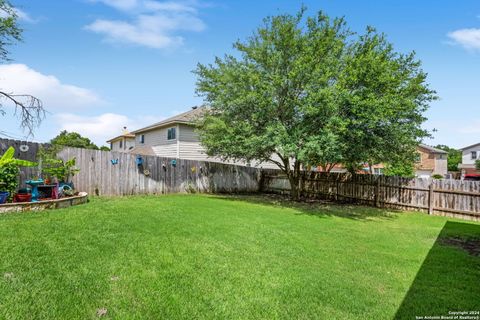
{"x": 9, "y": 171}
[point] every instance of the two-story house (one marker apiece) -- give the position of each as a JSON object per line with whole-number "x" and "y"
{"x": 430, "y": 161}
{"x": 175, "y": 137}
{"x": 122, "y": 143}
{"x": 470, "y": 154}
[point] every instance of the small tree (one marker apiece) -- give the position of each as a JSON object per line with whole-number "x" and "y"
{"x": 477, "y": 164}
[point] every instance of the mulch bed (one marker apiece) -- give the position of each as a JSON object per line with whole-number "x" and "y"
{"x": 471, "y": 245}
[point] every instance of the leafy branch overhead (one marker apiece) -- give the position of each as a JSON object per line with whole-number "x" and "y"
{"x": 28, "y": 108}
{"x": 308, "y": 91}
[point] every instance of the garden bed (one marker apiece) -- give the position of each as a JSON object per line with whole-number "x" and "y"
{"x": 66, "y": 202}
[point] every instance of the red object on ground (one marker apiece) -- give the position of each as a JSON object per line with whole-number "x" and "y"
{"x": 22, "y": 197}
{"x": 472, "y": 177}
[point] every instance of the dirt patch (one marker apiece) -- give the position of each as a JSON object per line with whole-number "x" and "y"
{"x": 471, "y": 245}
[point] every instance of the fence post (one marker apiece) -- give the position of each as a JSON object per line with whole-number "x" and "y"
{"x": 430, "y": 198}
{"x": 377, "y": 193}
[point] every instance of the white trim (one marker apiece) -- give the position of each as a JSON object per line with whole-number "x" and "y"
{"x": 177, "y": 136}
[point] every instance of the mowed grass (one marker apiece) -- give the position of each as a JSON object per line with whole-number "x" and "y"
{"x": 212, "y": 257}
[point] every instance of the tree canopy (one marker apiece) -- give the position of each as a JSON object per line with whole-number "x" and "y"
{"x": 28, "y": 108}
{"x": 73, "y": 139}
{"x": 308, "y": 91}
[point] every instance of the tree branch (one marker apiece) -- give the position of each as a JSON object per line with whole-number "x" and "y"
{"x": 28, "y": 108}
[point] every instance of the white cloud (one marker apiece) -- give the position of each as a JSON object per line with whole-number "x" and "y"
{"x": 467, "y": 38}
{"x": 119, "y": 4}
{"x": 21, "y": 15}
{"x": 55, "y": 95}
{"x": 102, "y": 127}
{"x": 153, "y": 24}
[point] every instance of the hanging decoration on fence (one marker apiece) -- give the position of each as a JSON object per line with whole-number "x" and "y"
{"x": 193, "y": 169}
{"x": 164, "y": 166}
{"x": 139, "y": 160}
{"x": 114, "y": 161}
{"x": 146, "y": 172}
{"x": 173, "y": 163}
{"x": 24, "y": 148}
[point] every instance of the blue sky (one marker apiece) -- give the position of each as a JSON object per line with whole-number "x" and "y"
{"x": 99, "y": 65}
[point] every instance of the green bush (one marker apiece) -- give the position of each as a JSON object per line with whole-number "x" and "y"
{"x": 437, "y": 176}
{"x": 9, "y": 178}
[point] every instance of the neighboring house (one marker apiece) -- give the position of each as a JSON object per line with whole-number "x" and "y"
{"x": 470, "y": 154}
{"x": 430, "y": 161}
{"x": 122, "y": 143}
{"x": 175, "y": 137}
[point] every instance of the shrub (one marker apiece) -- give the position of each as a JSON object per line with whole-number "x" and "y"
{"x": 437, "y": 176}
{"x": 9, "y": 178}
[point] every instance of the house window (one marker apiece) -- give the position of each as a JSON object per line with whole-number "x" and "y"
{"x": 171, "y": 133}
{"x": 121, "y": 144}
{"x": 441, "y": 157}
{"x": 377, "y": 170}
{"x": 142, "y": 138}
{"x": 474, "y": 155}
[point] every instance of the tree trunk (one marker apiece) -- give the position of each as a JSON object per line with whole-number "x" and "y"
{"x": 294, "y": 186}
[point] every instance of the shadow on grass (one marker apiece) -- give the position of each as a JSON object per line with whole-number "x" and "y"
{"x": 319, "y": 208}
{"x": 449, "y": 278}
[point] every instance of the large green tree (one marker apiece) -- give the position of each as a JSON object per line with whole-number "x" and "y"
{"x": 73, "y": 139}
{"x": 307, "y": 91}
{"x": 28, "y": 108}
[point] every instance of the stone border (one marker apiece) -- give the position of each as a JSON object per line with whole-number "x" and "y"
{"x": 81, "y": 198}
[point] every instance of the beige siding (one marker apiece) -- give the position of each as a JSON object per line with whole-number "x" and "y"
{"x": 441, "y": 165}
{"x": 187, "y": 133}
{"x": 167, "y": 150}
{"x": 156, "y": 137}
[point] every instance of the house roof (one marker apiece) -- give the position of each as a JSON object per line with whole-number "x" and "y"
{"x": 468, "y": 147}
{"x": 127, "y": 135}
{"x": 432, "y": 149}
{"x": 142, "y": 150}
{"x": 186, "y": 117}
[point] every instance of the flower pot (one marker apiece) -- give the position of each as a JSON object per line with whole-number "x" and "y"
{"x": 23, "y": 197}
{"x": 3, "y": 196}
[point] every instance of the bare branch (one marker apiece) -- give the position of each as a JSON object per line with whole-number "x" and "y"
{"x": 28, "y": 108}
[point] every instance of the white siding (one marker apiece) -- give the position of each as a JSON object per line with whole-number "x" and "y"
{"x": 129, "y": 143}
{"x": 441, "y": 164}
{"x": 126, "y": 144}
{"x": 167, "y": 150}
{"x": 467, "y": 154}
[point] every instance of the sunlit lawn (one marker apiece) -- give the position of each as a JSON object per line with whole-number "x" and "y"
{"x": 211, "y": 257}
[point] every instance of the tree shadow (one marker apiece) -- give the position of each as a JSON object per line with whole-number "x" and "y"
{"x": 318, "y": 208}
{"x": 449, "y": 278}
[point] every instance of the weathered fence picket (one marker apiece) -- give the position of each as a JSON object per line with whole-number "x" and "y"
{"x": 156, "y": 175}
{"x": 455, "y": 198}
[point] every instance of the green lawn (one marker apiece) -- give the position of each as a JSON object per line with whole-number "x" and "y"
{"x": 207, "y": 257}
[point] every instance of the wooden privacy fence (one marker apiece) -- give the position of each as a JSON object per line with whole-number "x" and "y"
{"x": 455, "y": 198}
{"x": 117, "y": 173}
